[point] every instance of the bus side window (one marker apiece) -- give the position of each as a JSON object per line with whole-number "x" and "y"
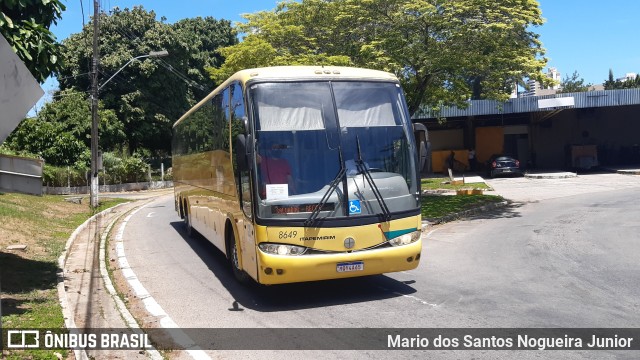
{"x": 237, "y": 119}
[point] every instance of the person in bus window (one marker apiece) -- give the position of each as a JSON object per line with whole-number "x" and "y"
{"x": 274, "y": 169}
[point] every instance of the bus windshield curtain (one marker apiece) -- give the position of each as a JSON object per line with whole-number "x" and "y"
{"x": 275, "y": 118}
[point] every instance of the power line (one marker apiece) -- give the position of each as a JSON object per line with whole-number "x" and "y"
{"x": 119, "y": 78}
{"x": 73, "y": 76}
{"x": 182, "y": 76}
{"x": 60, "y": 95}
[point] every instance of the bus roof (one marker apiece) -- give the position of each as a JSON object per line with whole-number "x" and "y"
{"x": 284, "y": 73}
{"x": 310, "y": 72}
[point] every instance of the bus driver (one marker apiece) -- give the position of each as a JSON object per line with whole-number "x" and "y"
{"x": 274, "y": 169}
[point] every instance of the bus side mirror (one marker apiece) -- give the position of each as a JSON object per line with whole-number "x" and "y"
{"x": 242, "y": 152}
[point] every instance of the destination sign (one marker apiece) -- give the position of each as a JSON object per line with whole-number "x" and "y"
{"x": 299, "y": 208}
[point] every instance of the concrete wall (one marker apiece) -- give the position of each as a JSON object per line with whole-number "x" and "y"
{"x": 18, "y": 174}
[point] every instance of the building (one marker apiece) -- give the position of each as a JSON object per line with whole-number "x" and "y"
{"x": 627, "y": 77}
{"x": 541, "y": 131}
{"x": 536, "y": 89}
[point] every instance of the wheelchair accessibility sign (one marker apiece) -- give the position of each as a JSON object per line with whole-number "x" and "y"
{"x": 354, "y": 207}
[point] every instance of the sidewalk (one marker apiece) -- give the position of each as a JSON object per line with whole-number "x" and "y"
{"x": 85, "y": 295}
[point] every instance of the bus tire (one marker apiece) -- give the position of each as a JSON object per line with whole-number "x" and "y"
{"x": 232, "y": 245}
{"x": 186, "y": 218}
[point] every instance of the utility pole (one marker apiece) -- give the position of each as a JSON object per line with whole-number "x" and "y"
{"x": 93, "y": 188}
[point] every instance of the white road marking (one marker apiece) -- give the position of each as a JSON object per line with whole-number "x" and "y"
{"x": 149, "y": 215}
{"x": 122, "y": 308}
{"x": 427, "y": 235}
{"x": 423, "y": 302}
{"x": 416, "y": 298}
{"x": 149, "y": 302}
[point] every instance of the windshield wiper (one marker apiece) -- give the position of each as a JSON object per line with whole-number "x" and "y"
{"x": 333, "y": 185}
{"x": 364, "y": 169}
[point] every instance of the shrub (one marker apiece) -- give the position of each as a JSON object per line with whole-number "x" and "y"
{"x": 61, "y": 176}
{"x": 119, "y": 170}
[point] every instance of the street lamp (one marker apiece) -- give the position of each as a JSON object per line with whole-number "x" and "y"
{"x": 153, "y": 54}
{"x": 93, "y": 189}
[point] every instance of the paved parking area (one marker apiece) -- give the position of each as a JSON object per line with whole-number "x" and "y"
{"x": 525, "y": 189}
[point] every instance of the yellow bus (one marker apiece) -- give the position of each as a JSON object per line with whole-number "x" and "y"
{"x": 302, "y": 173}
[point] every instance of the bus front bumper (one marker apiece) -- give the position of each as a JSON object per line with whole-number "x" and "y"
{"x": 280, "y": 269}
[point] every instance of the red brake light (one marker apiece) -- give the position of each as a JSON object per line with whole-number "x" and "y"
{"x": 493, "y": 164}
{"x": 517, "y": 163}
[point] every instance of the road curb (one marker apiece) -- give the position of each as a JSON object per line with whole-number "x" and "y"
{"x": 150, "y": 304}
{"x": 67, "y": 314}
{"x": 551, "y": 176}
{"x": 120, "y": 305}
{"x": 628, "y": 172}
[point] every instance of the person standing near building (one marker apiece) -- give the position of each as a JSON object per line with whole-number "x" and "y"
{"x": 451, "y": 160}
{"x": 472, "y": 160}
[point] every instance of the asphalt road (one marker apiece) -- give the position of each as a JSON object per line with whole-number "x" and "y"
{"x": 570, "y": 260}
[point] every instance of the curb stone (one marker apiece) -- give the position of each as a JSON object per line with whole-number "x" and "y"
{"x": 75, "y": 289}
{"x": 67, "y": 314}
{"x": 628, "y": 172}
{"x": 551, "y": 176}
{"x": 126, "y": 315}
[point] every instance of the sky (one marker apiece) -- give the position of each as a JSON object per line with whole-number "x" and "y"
{"x": 586, "y": 36}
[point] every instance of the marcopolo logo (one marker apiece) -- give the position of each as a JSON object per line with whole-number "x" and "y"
{"x": 61, "y": 339}
{"x": 23, "y": 339}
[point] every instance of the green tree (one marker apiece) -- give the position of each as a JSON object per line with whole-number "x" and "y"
{"x": 25, "y": 24}
{"x": 149, "y": 95}
{"x": 72, "y": 110}
{"x": 49, "y": 141}
{"x": 202, "y": 37}
{"x": 612, "y": 84}
{"x": 60, "y": 132}
{"x": 573, "y": 83}
{"x": 443, "y": 52}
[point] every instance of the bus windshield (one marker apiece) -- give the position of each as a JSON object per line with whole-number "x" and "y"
{"x": 353, "y": 133}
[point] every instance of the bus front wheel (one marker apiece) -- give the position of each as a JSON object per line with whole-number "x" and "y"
{"x": 232, "y": 244}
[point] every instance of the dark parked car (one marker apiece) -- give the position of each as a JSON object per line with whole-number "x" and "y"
{"x": 503, "y": 165}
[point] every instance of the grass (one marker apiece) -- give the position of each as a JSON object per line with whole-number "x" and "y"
{"x": 437, "y": 183}
{"x": 28, "y": 278}
{"x": 437, "y": 206}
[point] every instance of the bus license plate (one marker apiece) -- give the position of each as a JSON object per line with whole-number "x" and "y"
{"x": 350, "y": 266}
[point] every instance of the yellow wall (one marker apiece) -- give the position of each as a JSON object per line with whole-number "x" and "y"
{"x": 439, "y": 159}
{"x": 489, "y": 141}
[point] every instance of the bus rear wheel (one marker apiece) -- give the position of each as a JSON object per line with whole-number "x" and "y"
{"x": 187, "y": 220}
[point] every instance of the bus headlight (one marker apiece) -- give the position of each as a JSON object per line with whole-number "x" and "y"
{"x": 406, "y": 238}
{"x": 282, "y": 249}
